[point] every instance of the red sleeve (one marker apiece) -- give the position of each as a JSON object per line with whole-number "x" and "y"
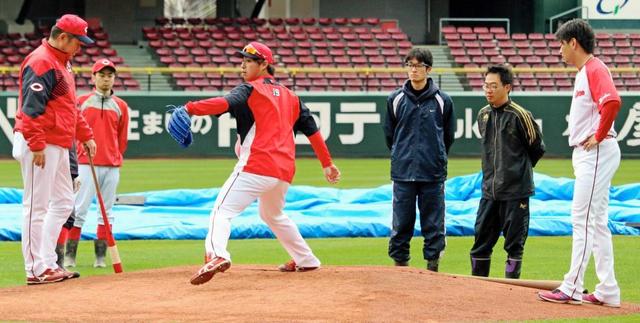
{"x": 214, "y": 106}
{"x": 601, "y": 84}
{"x": 608, "y": 114}
{"x": 320, "y": 148}
{"x": 83, "y": 131}
{"x": 123, "y": 127}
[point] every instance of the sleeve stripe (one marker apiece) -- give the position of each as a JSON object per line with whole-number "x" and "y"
{"x": 396, "y": 102}
{"x": 526, "y": 120}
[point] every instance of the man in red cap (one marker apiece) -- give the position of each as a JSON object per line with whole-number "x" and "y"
{"x": 47, "y": 123}
{"x": 108, "y": 117}
{"x": 268, "y": 115}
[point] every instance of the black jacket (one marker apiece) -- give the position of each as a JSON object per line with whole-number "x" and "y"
{"x": 511, "y": 146}
{"x": 419, "y": 132}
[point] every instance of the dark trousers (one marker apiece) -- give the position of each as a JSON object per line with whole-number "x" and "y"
{"x": 509, "y": 217}
{"x": 430, "y": 198}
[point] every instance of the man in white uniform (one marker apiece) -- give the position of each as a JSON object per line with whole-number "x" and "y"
{"x": 596, "y": 157}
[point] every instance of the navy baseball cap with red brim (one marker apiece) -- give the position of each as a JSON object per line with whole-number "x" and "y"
{"x": 75, "y": 26}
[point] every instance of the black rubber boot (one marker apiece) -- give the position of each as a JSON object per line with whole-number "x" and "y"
{"x": 100, "y": 248}
{"x": 480, "y": 266}
{"x": 432, "y": 265}
{"x": 70, "y": 253}
{"x": 512, "y": 268}
{"x": 401, "y": 263}
{"x": 60, "y": 254}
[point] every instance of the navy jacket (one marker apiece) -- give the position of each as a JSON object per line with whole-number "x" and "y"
{"x": 419, "y": 132}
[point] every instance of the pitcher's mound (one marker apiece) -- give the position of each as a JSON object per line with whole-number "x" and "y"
{"x": 261, "y": 293}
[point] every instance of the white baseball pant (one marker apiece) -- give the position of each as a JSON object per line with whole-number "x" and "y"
{"x": 108, "y": 178}
{"x": 593, "y": 171}
{"x": 238, "y": 192}
{"x": 47, "y": 202}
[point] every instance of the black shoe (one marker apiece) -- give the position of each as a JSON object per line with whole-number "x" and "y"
{"x": 402, "y": 263}
{"x": 432, "y": 265}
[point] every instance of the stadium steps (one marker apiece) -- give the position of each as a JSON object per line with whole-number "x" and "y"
{"x": 139, "y": 56}
{"x": 449, "y": 82}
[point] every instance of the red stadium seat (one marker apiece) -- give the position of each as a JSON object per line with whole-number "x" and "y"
{"x": 309, "y": 21}
{"x": 372, "y": 21}
{"x": 509, "y": 52}
{"x": 292, "y": 21}
{"x": 325, "y": 21}
{"x": 341, "y": 21}
{"x": 449, "y": 30}
{"x": 275, "y": 21}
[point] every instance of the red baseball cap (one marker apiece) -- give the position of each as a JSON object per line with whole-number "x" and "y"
{"x": 76, "y": 26}
{"x": 256, "y": 50}
{"x": 101, "y": 64}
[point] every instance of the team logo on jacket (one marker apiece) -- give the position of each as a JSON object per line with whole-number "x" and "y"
{"x": 276, "y": 92}
{"x": 36, "y": 87}
{"x": 579, "y": 94}
{"x": 523, "y": 206}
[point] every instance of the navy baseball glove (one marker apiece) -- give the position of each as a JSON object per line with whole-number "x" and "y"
{"x": 179, "y": 126}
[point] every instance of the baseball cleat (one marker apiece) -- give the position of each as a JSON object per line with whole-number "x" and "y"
{"x": 216, "y": 265}
{"x": 47, "y": 277}
{"x": 592, "y": 299}
{"x": 68, "y": 274}
{"x": 556, "y": 296}
{"x": 291, "y": 266}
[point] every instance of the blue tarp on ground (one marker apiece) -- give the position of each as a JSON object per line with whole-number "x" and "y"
{"x": 330, "y": 212}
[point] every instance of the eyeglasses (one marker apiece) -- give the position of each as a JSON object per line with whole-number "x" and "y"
{"x": 252, "y": 50}
{"x": 416, "y": 66}
{"x": 492, "y": 86}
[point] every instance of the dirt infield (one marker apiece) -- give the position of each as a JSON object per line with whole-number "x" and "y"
{"x": 260, "y": 293}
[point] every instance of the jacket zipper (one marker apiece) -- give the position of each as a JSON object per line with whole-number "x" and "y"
{"x": 495, "y": 150}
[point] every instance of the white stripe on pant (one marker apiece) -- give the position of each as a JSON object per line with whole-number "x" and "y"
{"x": 46, "y": 203}
{"x": 593, "y": 171}
{"x": 237, "y": 193}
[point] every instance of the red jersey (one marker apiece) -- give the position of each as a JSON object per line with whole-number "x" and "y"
{"x": 47, "y": 111}
{"x": 267, "y": 114}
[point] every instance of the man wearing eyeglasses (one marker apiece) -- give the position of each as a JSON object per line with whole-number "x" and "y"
{"x": 511, "y": 144}
{"x": 47, "y": 123}
{"x": 268, "y": 115}
{"x": 419, "y": 130}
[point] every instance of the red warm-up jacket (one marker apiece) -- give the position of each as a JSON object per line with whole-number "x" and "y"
{"x": 47, "y": 112}
{"x": 108, "y": 117}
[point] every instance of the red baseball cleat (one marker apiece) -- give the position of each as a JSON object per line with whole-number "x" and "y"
{"x": 291, "y": 266}
{"x": 592, "y": 299}
{"x": 68, "y": 274}
{"x": 216, "y": 265}
{"x": 556, "y": 296}
{"x": 47, "y": 277}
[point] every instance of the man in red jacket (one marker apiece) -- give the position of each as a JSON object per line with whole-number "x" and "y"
{"x": 108, "y": 117}
{"x": 268, "y": 115}
{"x": 47, "y": 123}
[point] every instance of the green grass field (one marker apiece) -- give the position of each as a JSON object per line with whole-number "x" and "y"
{"x": 545, "y": 257}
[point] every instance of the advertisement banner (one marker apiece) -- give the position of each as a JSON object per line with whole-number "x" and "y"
{"x": 611, "y": 9}
{"x": 350, "y": 123}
